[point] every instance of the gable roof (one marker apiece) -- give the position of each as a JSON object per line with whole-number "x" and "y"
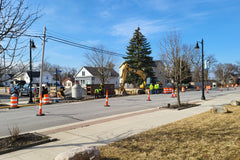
{"x": 94, "y": 71}
{"x": 10, "y": 75}
{"x": 34, "y": 73}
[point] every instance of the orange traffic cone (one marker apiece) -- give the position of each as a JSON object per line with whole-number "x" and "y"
{"x": 40, "y": 107}
{"x": 172, "y": 94}
{"x": 148, "y": 95}
{"x": 207, "y": 89}
{"x": 106, "y": 105}
{"x": 175, "y": 92}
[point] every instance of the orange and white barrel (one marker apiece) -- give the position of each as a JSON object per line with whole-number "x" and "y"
{"x": 14, "y": 101}
{"x": 165, "y": 90}
{"x": 183, "y": 89}
{"x": 46, "y": 99}
{"x": 198, "y": 88}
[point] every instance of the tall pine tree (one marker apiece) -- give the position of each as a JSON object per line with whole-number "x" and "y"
{"x": 138, "y": 57}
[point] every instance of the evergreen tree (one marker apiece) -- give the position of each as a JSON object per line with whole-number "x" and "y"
{"x": 138, "y": 57}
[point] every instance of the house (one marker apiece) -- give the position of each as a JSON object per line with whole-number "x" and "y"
{"x": 68, "y": 82}
{"x": 5, "y": 79}
{"x": 157, "y": 68}
{"x": 89, "y": 75}
{"x": 25, "y": 76}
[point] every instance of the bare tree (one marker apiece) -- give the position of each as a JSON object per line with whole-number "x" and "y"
{"x": 66, "y": 72}
{"x": 15, "y": 19}
{"x": 175, "y": 58}
{"x": 225, "y": 73}
{"x": 102, "y": 61}
{"x": 211, "y": 62}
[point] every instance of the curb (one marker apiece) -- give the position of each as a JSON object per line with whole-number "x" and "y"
{"x": 53, "y": 130}
{"x": 43, "y": 141}
{"x": 19, "y": 106}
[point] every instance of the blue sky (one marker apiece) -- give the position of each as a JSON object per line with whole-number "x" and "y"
{"x": 111, "y": 23}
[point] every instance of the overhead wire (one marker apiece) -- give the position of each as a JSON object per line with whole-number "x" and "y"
{"x": 67, "y": 42}
{"x": 64, "y": 40}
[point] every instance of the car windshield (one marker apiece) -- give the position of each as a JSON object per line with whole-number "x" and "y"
{"x": 26, "y": 85}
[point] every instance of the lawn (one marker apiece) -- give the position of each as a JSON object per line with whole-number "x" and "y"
{"x": 204, "y": 136}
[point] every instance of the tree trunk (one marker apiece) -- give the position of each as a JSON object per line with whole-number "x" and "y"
{"x": 178, "y": 95}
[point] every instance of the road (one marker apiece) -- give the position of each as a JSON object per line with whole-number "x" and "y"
{"x": 64, "y": 113}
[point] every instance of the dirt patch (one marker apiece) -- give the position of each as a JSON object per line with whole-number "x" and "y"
{"x": 183, "y": 106}
{"x": 9, "y": 144}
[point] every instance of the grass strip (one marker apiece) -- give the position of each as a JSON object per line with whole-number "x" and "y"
{"x": 203, "y": 136}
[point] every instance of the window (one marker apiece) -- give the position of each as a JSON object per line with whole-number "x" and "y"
{"x": 83, "y": 73}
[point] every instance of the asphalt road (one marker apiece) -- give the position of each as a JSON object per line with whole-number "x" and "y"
{"x": 62, "y": 113}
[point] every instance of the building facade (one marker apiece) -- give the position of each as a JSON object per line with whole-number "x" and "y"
{"x": 90, "y": 75}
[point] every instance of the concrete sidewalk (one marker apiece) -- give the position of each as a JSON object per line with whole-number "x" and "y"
{"x": 109, "y": 129}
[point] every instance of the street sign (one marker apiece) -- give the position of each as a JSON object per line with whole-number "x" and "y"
{"x": 206, "y": 64}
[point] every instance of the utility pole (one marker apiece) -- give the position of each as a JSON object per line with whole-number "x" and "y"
{"x": 56, "y": 82}
{"x": 41, "y": 75}
{"x": 31, "y": 46}
{"x": 5, "y": 75}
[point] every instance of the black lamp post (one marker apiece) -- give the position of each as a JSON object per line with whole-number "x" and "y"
{"x": 32, "y": 46}
{"x": 197, "y": 47}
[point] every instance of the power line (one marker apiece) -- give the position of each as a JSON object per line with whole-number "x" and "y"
{"x": 74, "y": 44}
{"x": 67, "y": 42}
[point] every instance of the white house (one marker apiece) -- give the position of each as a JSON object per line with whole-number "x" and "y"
{"x": 67, "y": 83}
{"x": 25, "y": 76}
{"x": 89, "y": 75}
{"x": 5, "y": 79}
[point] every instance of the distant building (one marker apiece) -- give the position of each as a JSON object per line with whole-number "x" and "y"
{"x": 5, "y": 79}
{"x": 158, "y": 68}
{"x": 68, "y": 82}
{"x": 90, "y": 75}
{"x": 25, "y": 76}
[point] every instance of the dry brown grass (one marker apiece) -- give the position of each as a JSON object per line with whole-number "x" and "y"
{"x": 204, "y": 136}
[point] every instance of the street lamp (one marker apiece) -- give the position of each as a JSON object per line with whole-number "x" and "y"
{"x": 197, "y": 47}
{"x": 31, "y": 46}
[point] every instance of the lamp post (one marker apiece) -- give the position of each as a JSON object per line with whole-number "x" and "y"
{"x": 31, "y": 46}
{"x": 197, "y": 47}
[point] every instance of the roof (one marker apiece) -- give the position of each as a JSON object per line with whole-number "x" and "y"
{"x": 94, "y": 71}
{"x": 10, "y": 75}
{"x": 68, "y": 79}
{"x": 34, "y": 74}
{"x": 155, "y": 64}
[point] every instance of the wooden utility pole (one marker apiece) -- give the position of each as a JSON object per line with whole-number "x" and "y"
{"x": 41, "y": 75}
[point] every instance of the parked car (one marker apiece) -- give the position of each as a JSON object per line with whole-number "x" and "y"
{"x": 25, "y": 90}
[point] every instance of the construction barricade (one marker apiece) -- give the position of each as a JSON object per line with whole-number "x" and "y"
{"x": 164, "y": 90}
{"x": 46, "y": 99}
{"x": 167, "y": 90}
{"x": 209, "y": 87}
{"x": 198, "y": 89}
{"x": 183, "y": 89}
{"x": 14, "y": 101}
